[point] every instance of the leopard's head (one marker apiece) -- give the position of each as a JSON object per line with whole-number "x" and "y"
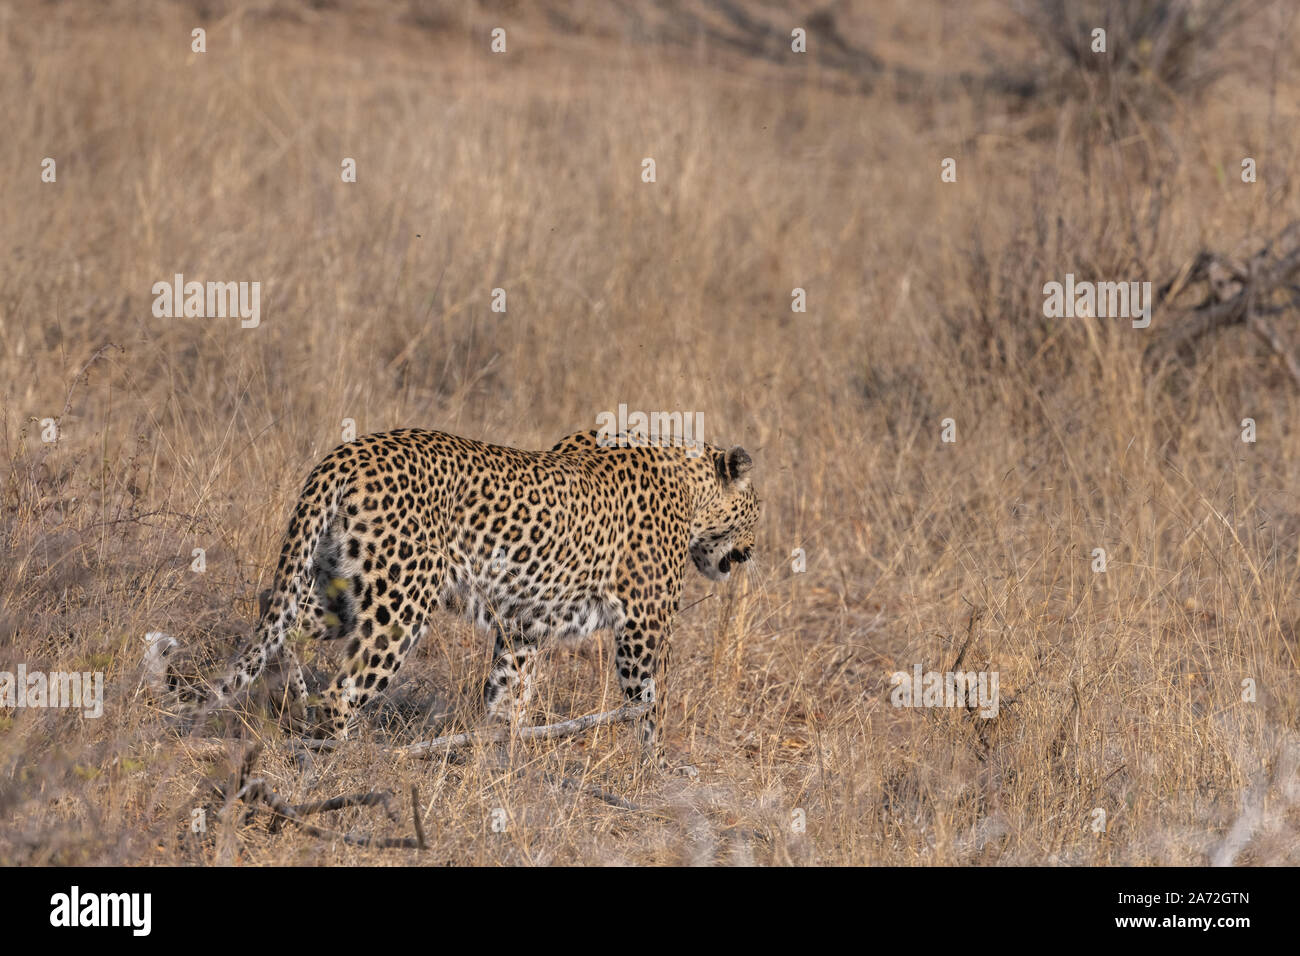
{"x": 722, "y": 532}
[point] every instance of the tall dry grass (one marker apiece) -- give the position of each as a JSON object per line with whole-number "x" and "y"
{"x": 1121, "y": 691}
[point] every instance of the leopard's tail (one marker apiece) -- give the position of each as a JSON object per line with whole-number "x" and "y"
{"x": 317, "y": 507}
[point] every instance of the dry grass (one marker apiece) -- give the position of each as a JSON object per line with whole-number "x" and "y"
{"x": 1120, "y": 691}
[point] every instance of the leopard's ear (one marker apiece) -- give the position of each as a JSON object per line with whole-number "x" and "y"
{"x": 734, "y": 466}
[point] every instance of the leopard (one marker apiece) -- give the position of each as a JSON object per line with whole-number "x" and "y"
{"x": 394, "y": 528}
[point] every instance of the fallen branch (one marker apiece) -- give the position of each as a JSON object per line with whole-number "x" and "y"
{"x": 205, "y": 747}
{"x": 439, "y": 745}
{"x": 259, "y": 791}
{"x": 1236, "y": 293}
{"x": 565, "y": 728}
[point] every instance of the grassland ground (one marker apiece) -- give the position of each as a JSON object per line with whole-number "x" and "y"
{"x": 1162, "y": 692}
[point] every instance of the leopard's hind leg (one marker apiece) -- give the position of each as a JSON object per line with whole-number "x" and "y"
{"x": 509, "y": 685}
{"x": 375, "y": 652}
{"x": 390, "y": 596}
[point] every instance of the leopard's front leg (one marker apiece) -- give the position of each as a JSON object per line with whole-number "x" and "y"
{"x": 636, "y": 658}
{"x": 641, "y": 647}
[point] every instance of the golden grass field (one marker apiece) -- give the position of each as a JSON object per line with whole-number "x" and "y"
{"x": 1121, "y": 691}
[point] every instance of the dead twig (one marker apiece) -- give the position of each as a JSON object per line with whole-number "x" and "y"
{"x": 1269, "y": 335}
{"x": 415, "y": 816}
{"x": 577, "y": 786}
{"x": 371, "y": 799}
{"x": 976, "y": 613}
